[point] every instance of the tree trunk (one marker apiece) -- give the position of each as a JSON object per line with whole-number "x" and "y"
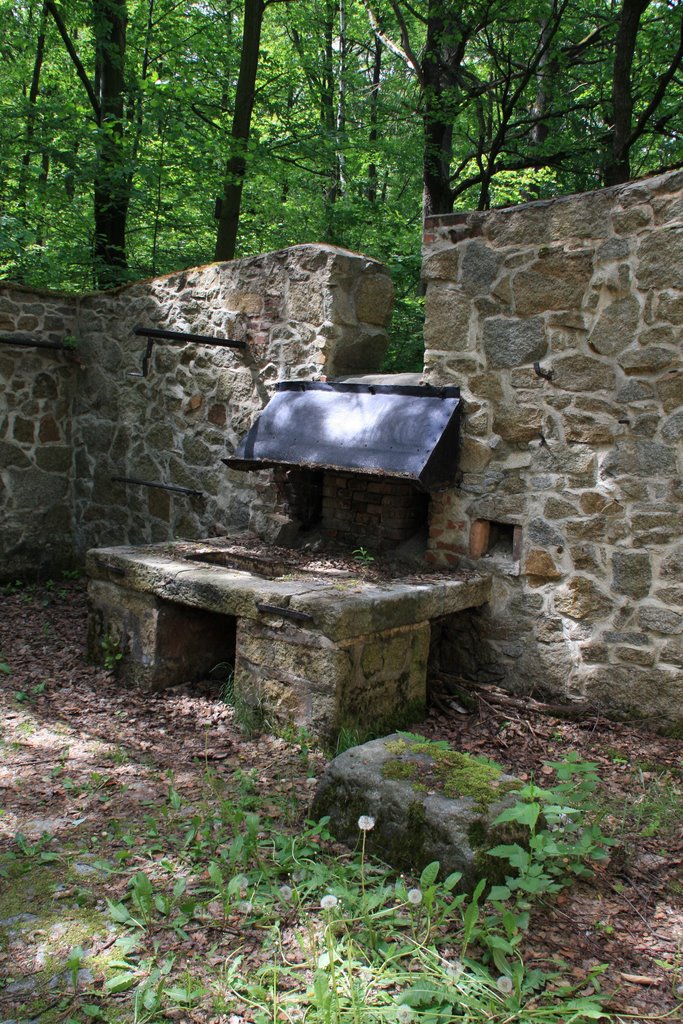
{"x": 540, "y": 130}
{"x": 31, "y": 112}
{"x": 112, "y": 183}
{"x": 617, "y": 166}
{"x": 441, "y": 66}
{"x": 374, "y": 102}
{"x": 231, "y": 200}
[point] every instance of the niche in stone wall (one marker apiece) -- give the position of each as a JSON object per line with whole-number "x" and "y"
{"x": 499, "y": 541}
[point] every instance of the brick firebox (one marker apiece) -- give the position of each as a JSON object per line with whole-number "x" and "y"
{"x": 355, "y": 508}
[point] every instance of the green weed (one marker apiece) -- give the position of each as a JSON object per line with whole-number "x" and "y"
{"x": 112, "y": 652}
{"x": 364, "y": 557}
{"x": 302, "y": 931}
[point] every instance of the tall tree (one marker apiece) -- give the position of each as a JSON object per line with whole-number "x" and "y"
{"x": 624, "y": 134}
{"x": 111, "y": 192}
{"x": 230, "y": 203}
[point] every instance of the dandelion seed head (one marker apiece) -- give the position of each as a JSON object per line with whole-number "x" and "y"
{"x": 286, "y": 892}
{"x": 454, "y": 971}
{"x": 365, "y": 823}
{"x": 404, "y": 1015}
{"x": 504, "y": 984}
{"x": 246, "y": 906}
{"x": 415, "y": 897}
{"x": 329, "y": 902}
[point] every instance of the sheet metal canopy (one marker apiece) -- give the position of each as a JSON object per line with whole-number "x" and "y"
{"x": 400, "y": 431}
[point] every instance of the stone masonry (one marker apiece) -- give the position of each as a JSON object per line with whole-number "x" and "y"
{"x": 71, "y": 422}
{"x": 37, "y": 390}
{"x": 561, "y": 322}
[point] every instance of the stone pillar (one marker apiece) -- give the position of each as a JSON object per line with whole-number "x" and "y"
{"x": 294, "y": 675}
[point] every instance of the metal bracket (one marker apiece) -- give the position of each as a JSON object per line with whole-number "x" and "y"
{"x": 286, "y": 613}
{"x": 540, "y": 372}
{"x": 179, "y": 338}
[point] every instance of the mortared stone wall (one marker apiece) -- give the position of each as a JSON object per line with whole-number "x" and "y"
{"x": 562, "y": 323}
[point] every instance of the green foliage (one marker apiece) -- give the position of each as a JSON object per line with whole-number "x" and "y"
{"x": 111, "y": 651}
{"x": 337, "y": 143}
{"x": 562, "y": 840}
{"x": 363, "y": 557}
{"x": 370, "y": 946}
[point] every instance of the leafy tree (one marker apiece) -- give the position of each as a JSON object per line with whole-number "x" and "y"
{"x": 121, "y": 121}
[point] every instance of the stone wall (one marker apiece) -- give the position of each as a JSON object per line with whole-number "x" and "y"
{"x": 303, "y": 312}
{"x": 561, "y": 322}
{"x": 36, "y": 435}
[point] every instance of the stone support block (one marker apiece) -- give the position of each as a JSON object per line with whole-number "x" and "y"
{"x": 152, "y": 643}
{"x": 300, "y": 676}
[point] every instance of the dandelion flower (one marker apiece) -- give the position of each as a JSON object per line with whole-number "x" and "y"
{"x": 415, "y": 897}
{"x": 404, "y": 1015}
{"x": 365, "y": 823}
{"x": 504, "y": 984}
{"x": 286, "y": 892}
{"x": 329, "y": 902}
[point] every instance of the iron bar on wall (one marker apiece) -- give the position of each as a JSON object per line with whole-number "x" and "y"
{"x": 152, "y": 483}
{"x": 57, "y": 346}
{"x": 179, "y": 338}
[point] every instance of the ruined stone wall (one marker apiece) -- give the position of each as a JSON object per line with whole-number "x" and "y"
{"x": 303, "y": 312}
{"x": 561, "y": 322}
{"x": 36, "y": 438}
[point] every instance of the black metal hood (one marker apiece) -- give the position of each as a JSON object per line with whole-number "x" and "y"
{"x": 399, "y": 431}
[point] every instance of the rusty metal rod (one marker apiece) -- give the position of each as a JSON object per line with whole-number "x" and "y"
{"x": 117, "y": 570}
{"x": 286, "y": 613}
{"x": 181, "y": 336}
{"x": 152, "y": 483}
{"x": 57, "y": 346}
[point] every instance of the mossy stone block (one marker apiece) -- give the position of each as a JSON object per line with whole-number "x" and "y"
{"x": 429, "y": 803}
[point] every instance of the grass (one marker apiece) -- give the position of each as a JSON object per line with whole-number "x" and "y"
{"x": 211, "y": 905}
{"x": 221, "y": 901}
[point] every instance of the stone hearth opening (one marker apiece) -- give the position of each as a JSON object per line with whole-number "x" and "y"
{"x": 162, "y": 643}
{"x": 350, "y": 509}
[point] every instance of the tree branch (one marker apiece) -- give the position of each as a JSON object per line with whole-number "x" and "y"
{"x": 659, "y": 93}
{"x": 408, "y": 58}
{"x": 76, "y": 60}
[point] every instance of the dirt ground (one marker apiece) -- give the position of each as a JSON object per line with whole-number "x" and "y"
{"x": 61, "y": 716}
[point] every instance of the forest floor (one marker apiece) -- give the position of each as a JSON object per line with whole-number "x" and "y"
{"x": 88, "y": 771}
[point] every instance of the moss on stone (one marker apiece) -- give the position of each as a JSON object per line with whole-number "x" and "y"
{"x": 28, "y": 909}
{"x": 434, "y": 766}
{"x": 399, "y": 770}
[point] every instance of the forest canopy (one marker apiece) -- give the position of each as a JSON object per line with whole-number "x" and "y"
{"x": 142, "y": 136}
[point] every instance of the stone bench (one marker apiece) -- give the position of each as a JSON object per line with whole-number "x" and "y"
{"x": 314, "y": 651}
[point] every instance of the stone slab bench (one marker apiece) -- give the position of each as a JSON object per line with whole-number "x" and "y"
{"x": 315, "y": 651}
